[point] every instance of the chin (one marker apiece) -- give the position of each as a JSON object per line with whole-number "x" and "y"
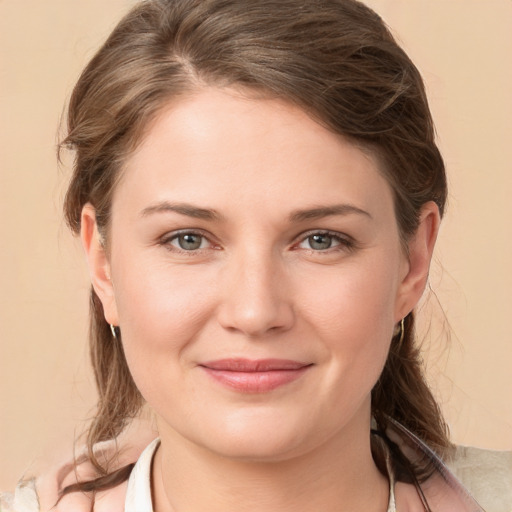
{"x": 265, "y": 438}
{"x": 256, "y": 448}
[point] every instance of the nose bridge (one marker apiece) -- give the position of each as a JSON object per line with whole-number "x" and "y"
{"x": 255, "y": 300}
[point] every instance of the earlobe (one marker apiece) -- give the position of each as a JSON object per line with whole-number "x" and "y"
{"x": 98, "y": 263}
{"x": 420, "y": 250}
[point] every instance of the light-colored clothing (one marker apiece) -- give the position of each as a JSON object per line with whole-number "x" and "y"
{"x": 487, "y": 474}
{"x": 138, "y": 496}
{"x": 482, "y": 475}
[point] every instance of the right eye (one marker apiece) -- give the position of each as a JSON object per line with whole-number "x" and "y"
{"x": 322, "y": 241}
{"x": 188, "y": 241}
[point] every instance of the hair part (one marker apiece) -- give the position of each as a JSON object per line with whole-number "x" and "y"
{"x": 336, "y": 60}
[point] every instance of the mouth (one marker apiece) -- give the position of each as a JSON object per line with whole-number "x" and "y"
{"x": 255, "y": 376}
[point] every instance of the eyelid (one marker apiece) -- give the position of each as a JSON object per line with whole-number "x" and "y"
{"x": 166, "y": 239}
{"x": 346, "y": 241}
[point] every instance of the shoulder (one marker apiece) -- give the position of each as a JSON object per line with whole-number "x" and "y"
{"x": 24, "y": 498}
{"x": 487, "y": 474}
{"x": 464, "y": 475}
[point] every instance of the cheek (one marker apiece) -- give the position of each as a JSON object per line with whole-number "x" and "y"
{"x": 160, "y": 313}
{"x": 353, "y": 315}
{"x": 152, "y": 294}
{"x": 355, "y": 300}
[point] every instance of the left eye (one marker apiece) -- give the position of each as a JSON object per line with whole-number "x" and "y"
{"x": 189, "y": 241}
{"x": 320, "y": 242}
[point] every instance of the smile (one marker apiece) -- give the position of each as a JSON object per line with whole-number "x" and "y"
{"x": 255, "y": 376}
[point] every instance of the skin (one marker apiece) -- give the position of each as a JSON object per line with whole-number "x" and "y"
{"x": 251, "y": 181}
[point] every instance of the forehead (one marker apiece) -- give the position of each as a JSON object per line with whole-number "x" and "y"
{"x": 224, "y": 147}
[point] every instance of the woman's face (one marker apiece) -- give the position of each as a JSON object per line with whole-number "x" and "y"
{"x": 256, "y": 273}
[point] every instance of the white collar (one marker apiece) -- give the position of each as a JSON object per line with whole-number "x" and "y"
{"x": 138, "y": 494}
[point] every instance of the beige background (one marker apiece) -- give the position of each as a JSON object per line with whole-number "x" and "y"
{"x": 463, "y": 48}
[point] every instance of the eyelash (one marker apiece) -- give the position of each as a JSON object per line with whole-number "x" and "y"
{"x": 167, "y": 240}
{"x": 343, "y": 242}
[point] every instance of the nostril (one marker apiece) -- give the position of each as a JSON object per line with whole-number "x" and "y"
{"x": 255, "y": 301}
{"x": 256, "y": 322}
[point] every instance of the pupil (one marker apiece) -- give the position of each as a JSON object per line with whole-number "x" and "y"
{"x": 190, "y": 242}
{"x": 320, "y": 242}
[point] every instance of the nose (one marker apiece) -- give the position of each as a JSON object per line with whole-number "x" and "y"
{"x": 256, "y": 299}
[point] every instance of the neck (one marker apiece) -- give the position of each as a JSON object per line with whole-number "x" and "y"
{"x": 338, "y": 476}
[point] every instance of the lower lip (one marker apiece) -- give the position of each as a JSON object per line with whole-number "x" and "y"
{"x": 255, "y": 382}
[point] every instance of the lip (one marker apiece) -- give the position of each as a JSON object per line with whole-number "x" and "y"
{"x": 255, "y": 376}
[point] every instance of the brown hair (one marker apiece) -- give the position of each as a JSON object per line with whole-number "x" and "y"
{"x": 336, "y": 60}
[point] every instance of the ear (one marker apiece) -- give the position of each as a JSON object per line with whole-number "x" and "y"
{"x": 99, "y": 264}
{"x": 420, "y": 249}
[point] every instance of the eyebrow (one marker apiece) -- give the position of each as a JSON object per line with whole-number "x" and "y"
{"x": 183, "y": 209}
{"x": 209, "y": 214}
{"x": 327, "y": 211}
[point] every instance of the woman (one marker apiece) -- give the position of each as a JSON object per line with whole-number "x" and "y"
{"x": 258, "y": 192}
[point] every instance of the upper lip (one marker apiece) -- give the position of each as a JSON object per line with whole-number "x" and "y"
{"x": 254, "y": 365}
